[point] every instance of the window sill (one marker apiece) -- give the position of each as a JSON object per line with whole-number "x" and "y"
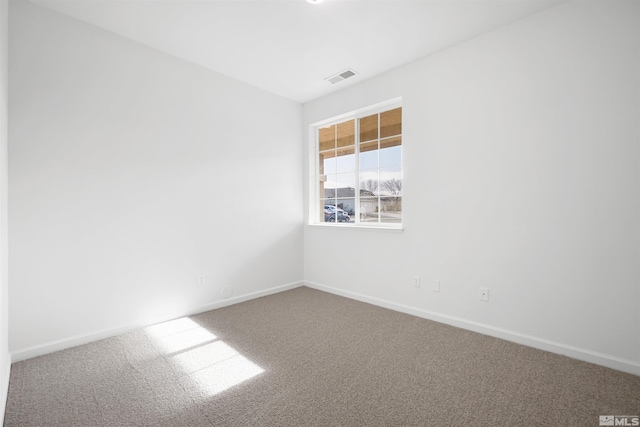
{"x": 385, "y": 228}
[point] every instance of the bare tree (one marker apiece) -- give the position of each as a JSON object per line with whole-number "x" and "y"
{"x": 370, "y": 185}
{"x": 393, "y": 187}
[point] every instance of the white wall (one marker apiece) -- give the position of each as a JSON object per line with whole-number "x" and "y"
{"x": 132, "y": 172}
{"x": 5, "y": 359}
{"x": 521, "y": 175}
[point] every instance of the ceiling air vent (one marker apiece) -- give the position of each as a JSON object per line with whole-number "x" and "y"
{"x": 343, "y": 75}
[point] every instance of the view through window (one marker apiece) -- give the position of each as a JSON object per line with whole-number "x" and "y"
{"x": 359, "y": 169}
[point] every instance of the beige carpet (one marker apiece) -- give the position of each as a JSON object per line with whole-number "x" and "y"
{"x": 308, "y": 358}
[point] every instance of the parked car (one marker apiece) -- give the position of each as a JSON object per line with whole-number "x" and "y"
{"x": 333, "y": 209}
{"x": 331, "y": 217}
{"x": 331, "y": 213}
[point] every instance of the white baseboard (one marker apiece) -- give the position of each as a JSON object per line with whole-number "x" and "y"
{"x": 246, "y": 297}
{"x": 609, "y": 361}
{"x": 4, "y": 392}
{"x": 74, "y": 341}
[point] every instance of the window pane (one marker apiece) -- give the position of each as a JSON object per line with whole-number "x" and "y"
{"x": 330, "y": 183}
{"x": 329, "y": 215}
{"x": 346, "y": 160}
{"x": 369, "y": 209}
{"x": 390, "y": 182}
{"x": 327, "y": 162}
{"x": 346, "y": 183}
{"x": 327, "y": 138}
{"x": 369, "y": 185}
{"x": 369, "y": 160}
{"x": 346, "y": 133}
{"x": 391, "y": 209}
{"x": 324, "y": 204}
{"x": 347, "y": 205}
{"x": 369, "y": 128}
{"x": 391, "y": 142}
{"x": 391, "y": 123}
{"x": 345, "y": 151}
{"x": 328, "y": 203}
{"x": 369, "y": 146}
{"x": 391, "y": 156}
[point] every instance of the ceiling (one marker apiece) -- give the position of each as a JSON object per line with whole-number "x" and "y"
{"x": 289, "y": 47}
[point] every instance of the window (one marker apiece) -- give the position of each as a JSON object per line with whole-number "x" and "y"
{"x": 358, "y": 164}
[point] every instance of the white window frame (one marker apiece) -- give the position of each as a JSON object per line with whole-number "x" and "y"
{"x": 314, "y": 167}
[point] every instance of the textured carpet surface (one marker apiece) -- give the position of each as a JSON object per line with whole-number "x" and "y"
{"x": 308, "y": 358}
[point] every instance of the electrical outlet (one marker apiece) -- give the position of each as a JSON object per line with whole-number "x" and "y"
{"x": 200, "y": 280}
{"x": 484, "y": 294}
{"x": 435, "y": 286}
{"x": 416, "y": 281}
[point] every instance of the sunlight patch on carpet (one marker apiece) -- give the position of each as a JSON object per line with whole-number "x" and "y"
{"x": 211, "y": 363}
